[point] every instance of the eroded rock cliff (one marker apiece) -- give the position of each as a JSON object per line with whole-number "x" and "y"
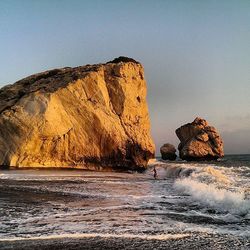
{"x": 92, "y": 116}
{"x": 199, "y": 141}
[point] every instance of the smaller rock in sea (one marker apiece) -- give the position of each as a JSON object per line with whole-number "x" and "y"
{"x": 168, "y": 152}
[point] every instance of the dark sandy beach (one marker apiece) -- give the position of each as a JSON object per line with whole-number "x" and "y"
{"x": 195, "y": 241}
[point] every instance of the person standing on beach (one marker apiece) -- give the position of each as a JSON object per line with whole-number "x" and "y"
{"x": 155, "y": 173}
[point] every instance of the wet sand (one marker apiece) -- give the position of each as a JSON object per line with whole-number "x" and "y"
{"x": 194, "y": 241}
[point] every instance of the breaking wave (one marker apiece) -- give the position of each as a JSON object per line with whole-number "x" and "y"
{"x": 223, "y": 189}
{"x": 209, "y": 194}
{"x": 216, "y": 188}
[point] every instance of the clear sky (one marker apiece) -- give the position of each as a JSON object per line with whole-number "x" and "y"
{"x": 196, "y": 54}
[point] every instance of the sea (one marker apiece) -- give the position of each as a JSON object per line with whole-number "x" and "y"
{"x": 201, "y": 200}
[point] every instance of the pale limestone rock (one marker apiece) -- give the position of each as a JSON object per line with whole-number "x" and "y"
{"x": 199, "y": 141}
{"x": 92, "y": 117}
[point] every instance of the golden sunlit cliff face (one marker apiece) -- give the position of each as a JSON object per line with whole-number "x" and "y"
{"x": 92, "y": 117}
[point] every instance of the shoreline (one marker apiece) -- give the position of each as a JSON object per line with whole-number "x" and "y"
{"x": 119, "y": 169}
{"x": 75, "y": 168}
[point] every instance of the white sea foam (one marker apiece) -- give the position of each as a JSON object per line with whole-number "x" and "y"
{"x": 209, "y": 174}
{"x": 92, "y": 235}
{"x": 217, "y": 187}
{"x": 209, "y": 194}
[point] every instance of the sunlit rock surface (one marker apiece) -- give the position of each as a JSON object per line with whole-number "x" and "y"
{"x": 92, "y": 117}
{"x": 199, "y": 141}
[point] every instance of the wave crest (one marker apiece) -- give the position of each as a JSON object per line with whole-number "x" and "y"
{"x": 208, "y": 194}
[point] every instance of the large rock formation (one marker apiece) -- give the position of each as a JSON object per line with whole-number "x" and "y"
{"x": 92, "y": 117}
{"x": 168, "y": 152}
{"x": 199, "y": 141}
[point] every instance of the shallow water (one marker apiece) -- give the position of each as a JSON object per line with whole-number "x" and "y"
{"x": 187, "y": 198}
